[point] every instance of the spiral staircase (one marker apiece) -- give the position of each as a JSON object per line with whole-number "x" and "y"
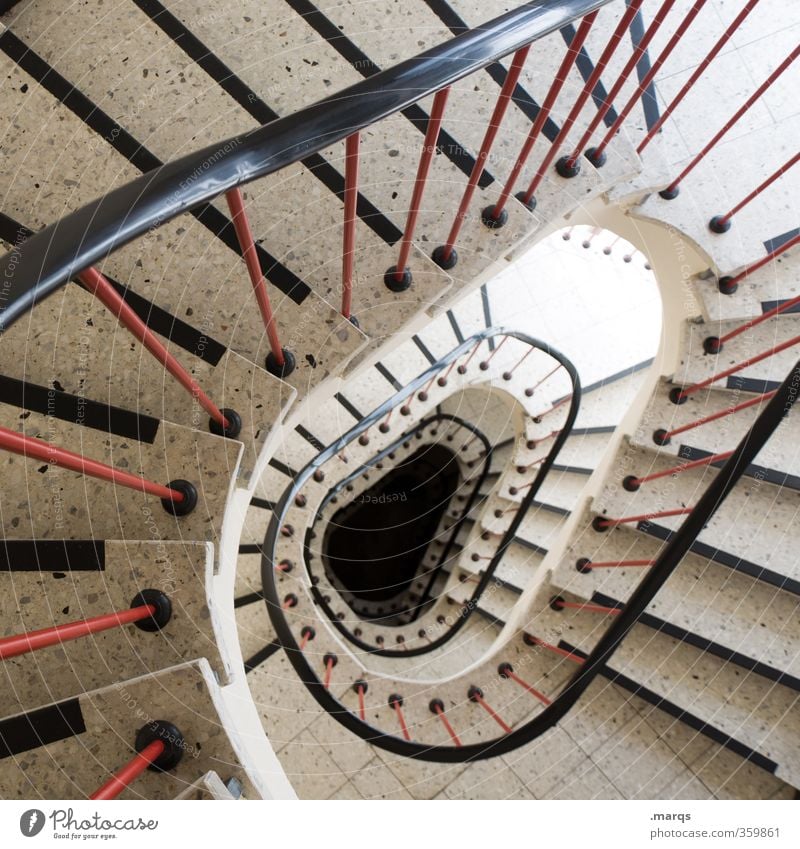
{"x": 295, "y": 499}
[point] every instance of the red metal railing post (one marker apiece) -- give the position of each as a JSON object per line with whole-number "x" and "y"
{"x": 149, "y": 616}
{"x": 99, "y": 286}
{"x": 698, "y": 72}
{"x": 722, "y": 223}
{"x": 399, "y": 277}
{"x": 729, "y": 284}
{"x": 280, "y": 362}
{"x": 624, "y": 23}
{"x": 396, "y": 703}
{"x": 496, "y": 216}
{"x": 445, "y": 255}
{"x": 180, "y": 494}
{"x": 569, "y": 165}
{"x": 351, "y": 163}
{"x": 437, "y": 706}
{"x": 506, "y": 670}
{"x": 673, "y": 189}
{"x": 134, "y": 768}
{"x": 475, "y": 694}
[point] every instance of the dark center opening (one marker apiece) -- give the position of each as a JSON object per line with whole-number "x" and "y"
{"x": 375, "y": 545}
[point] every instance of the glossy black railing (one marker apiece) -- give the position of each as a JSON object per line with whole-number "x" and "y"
{"x": 428, "y": 574}
{"x": 49, "y": 258}
{"x": 380, "y": 413}
{"x": 664, "y": 565}
{"x": 270, "y": 557}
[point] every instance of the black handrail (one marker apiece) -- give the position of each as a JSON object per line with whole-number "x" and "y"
{"x": 678, "y": 546}
{"x": 315, "y": 591}
{"x": 48, "y": 259}
{"x": 268, "y": 558}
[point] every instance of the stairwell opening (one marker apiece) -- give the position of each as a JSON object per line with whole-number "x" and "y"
{"x": 374, "y": 545}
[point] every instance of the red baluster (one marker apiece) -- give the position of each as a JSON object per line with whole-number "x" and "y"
{"x": 754, "y": 322}
{"x": 330, "y": 660}
{"x": 496, "y": 216}
{"x": 437, "y": 706}
{"x": 351, "y": 162}
{"x": 632, "y": 483}
{"x": 663, "y": 436}
{"x": 569, "y": 166}
{"x": 529, "y": 392}
{"x": 678, "y": 396}
{"x": 722, "y": 223}
{"x": 179, "y": 497}
{"x": 399, "y": 277}
{"x": 279, "y": 362}
{"x": 673, "y": 189}
{"x": 225, "y": 422}
{"x": 150, "y": 611}
{"x": 396, "y": 703}
{"x": 361, "y": 688}
{"x": 622, "y": 27}
{"x": 600, "y": 523}
{"x": 506, "y": 670}
{"x": 729, "y": 284}
{"x": 306, "y": 635}
{"x": 445, "y": 255}
{"x": 159, "y": 746}
{"x": 698, "y": 72}
{"x": 475, "y": 694}
{"x": 530, "y": 640}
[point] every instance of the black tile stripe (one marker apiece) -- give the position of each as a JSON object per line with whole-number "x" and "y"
{"x": 487, "y": 313}
{"x": 550, "y": 508}
{"x": 649, "y": 100}
{"x": 724, "y": 558}
{"x": 424, "y": 349}
{"x": 158, "y": 320}
{"x": 773, "y": 476}
{"x": 679, "y": 713}
{"x": 78, "y": 410}
{"x": 249, "y": 548}
{"x": 258, "y": 109}
{"x": 776, "y": 241}
{"x": 586, "y": 431}
{"x": 585, "y": 68}
{"x": 309, "y": 438}
{"x": 703, "y": 644}
{"x": 538, "y": 549}
{"x": 354, "y": 412}
{"x": 39, "y": 727}
{"x": 262, "y": 503}
{"x": 529, "y": 107}
{"x": 767, "y": 306}
{"x": 140, "y": 157}
{"x": 261, "y": 655}
{"x": 619, "y": 375}
{"x": 281, "y": 467}
{"x": 245, "y": 600}
{"x": 751, "y": 384}
{"x": 574, "y": 470}
{"x": 384, "y": 372}
{"x": 454, "y": 324}
{"x": 56, "y": 555}
{"x": 349, "y": 51}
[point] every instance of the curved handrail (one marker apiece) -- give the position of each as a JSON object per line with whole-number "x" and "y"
{"x": 268, "y": 559}
{"x": 665, "y": 564}
{"x": 315, "y": 591}
{"x": 49, "y": 258}
{"x": 391, "y": 403}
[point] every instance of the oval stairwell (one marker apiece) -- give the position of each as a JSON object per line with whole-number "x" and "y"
{"x": 342, "y": 454}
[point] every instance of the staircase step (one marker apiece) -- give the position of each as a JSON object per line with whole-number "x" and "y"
{"x": 44, "y": 597}
{"x": 192, "y": 287}
{"x": 75, "y": 345}
{"x": 48, "y": 748}
{"x": 55, "y": 503}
